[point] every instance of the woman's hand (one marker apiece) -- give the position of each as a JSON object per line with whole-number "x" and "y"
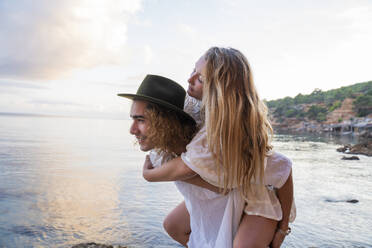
{"x": 147, "y": 167}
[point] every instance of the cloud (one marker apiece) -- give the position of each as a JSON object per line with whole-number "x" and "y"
{"x": 48, "y": 39}
{"x": 358, "y": 17}
{"x": 148, "y": 54}
{"x": 187, "y": 29}
{"x": 13, "y": 84}
{"x": 64, "y": 103}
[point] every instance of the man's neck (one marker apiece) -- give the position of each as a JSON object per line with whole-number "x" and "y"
{"x": 179, "y": 150}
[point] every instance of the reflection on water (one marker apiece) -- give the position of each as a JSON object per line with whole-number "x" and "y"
{"x": 84, "y": 204}
{"x": 68, "y": 181}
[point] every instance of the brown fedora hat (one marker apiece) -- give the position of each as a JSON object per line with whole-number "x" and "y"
{"x": 163, "y": 91}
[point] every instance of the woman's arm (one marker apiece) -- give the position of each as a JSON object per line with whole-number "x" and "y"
{"x": 285, "y": 195}
{"x": 172, "y": 170}
{"x": 198, "y": 181}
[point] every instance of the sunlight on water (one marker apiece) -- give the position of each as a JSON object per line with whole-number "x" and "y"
{"x": 67, "y": 181}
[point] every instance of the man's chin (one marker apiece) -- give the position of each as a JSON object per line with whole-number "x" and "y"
{"x": 145, "y": 148}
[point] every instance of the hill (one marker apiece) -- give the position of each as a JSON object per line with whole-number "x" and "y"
{"x": 319, "y": 108}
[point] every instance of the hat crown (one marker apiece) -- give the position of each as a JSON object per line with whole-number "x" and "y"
{"x": 163, "y": 89}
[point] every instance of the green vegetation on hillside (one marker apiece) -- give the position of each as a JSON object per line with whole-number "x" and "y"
{"x": 363, "y": 104}
{"x": 316, "y": 105}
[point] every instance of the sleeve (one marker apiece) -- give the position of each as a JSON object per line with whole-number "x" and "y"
{"x": 198, "y": 158}
{"x": 277, "y": 170}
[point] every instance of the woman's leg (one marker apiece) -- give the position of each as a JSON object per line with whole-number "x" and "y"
{"x": 177, "y": 224}
{"x": 255, "y": 232}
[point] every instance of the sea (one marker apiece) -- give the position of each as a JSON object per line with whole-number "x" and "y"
{"x": 65, "y": 181}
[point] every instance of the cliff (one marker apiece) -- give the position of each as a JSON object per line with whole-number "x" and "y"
{"x": 344, "y": 110}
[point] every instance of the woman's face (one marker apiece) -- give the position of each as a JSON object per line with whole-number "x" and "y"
{"x": 197, "y": 78}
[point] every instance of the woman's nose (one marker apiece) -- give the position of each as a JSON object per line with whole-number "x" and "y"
{"x": 191, "y": 78}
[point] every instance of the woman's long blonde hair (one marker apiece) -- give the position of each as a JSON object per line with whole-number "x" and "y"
{"x": 238, "y": 130}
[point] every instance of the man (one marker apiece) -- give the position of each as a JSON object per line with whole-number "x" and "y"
{"x": 158, "y": 117}
{"x": 160, "y": 123}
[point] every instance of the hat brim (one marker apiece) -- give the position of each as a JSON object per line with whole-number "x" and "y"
{"x": 160, "y": 102}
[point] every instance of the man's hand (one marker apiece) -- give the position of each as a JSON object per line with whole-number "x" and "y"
{"x": 277, "y": 240}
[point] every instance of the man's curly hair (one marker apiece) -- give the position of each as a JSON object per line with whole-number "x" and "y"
{"x": 168, "y": 129}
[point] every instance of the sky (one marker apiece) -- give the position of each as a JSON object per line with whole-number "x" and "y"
{"x": 72, "y": 57}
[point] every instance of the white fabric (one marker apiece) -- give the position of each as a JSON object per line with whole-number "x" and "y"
{"x": 266, "y": 203}
{"x": 192, "y": 106}
{"x": 214, "y": 218}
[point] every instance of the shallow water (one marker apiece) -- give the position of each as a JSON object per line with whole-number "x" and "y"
{"x": 67, "y": 181}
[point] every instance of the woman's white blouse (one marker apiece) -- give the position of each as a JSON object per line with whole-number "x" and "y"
{"x": 266, "y": 203}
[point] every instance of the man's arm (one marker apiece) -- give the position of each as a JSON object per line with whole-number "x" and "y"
{"x": 172, "y": 170}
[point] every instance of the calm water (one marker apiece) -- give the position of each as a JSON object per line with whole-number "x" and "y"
{"x": 67, "y": 181}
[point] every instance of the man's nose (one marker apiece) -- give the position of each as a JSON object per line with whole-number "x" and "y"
{"x": 133, "y": 129}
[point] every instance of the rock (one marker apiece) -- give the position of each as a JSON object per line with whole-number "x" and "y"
{"x": 95, "y": 245}
{"x": 350, "y": 158}
{"x": 364, "y": 148}
{"x": 348, "y": 201}
{"x": 344, "y": 148}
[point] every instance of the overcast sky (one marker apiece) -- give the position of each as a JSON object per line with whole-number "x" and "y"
{"x": 72, "y": 57}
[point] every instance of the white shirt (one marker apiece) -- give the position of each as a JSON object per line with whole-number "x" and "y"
{"x": 214, "y": 218}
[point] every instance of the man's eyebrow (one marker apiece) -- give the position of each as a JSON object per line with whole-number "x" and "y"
{"x": 137, "y": 117}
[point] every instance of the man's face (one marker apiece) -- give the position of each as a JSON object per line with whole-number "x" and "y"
{"x": 140, "y": 125}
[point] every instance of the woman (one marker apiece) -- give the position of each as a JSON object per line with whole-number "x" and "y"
{"x": 168, "y": 136}
{"x": 233, "y": 151}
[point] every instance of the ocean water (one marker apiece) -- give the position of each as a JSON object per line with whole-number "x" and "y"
{"x": 66, "y": 181}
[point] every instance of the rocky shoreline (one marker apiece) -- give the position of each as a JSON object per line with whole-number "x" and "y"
{"x": 95, "y": 245}
{"x": 359, "y": 127}
{"x": 364, "y": 148}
